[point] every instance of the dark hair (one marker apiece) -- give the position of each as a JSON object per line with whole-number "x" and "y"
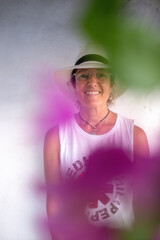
{"x": 73, "y": 79}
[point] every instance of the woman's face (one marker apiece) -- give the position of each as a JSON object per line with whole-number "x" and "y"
{"x": 92, "y": 87}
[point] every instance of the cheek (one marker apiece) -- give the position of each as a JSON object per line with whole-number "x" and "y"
{"x": 107, "y": 90}
{"x": 78, "y": 93}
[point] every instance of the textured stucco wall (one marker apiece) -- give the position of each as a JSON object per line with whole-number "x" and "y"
{"x": 38, "y": 35}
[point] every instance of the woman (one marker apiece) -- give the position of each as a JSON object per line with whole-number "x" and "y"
{"x": 68, "y": 146}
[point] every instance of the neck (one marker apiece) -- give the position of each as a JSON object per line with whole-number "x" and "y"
{"x": 93, "y": 115}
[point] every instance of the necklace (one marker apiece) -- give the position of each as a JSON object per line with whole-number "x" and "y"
{"x": 94, "y": 126}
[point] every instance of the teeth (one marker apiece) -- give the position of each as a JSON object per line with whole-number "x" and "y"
{"x": 90, "y": 93}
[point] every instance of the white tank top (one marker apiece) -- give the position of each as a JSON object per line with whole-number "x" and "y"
{"x": 76, "y": 145}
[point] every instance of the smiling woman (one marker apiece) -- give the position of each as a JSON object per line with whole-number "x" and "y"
{"x": 68, "y": 146}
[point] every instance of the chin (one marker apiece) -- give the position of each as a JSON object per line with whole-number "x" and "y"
{"x": 92, "y": 104}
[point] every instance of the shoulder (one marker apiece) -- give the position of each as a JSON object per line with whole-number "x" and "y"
{"x": 51, "y": 155}
{"x": 141, "y": 147}
{"x": 51, "y": 144}
{"x": 139, "y": 134}
{"x": 52, "y": 136}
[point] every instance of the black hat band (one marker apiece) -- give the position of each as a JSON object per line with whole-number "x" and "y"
{"x": 92, "y": 57}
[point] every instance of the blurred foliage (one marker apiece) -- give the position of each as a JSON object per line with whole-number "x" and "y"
{"x": 132, "y": 46}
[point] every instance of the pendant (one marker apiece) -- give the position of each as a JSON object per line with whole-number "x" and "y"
{"x": 92, "y": 133}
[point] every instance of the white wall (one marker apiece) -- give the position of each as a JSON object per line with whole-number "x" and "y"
{"x": 37, "y": 36}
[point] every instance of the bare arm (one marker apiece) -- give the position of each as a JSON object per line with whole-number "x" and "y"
{"x": 140, "y": 144}
{"x": 141, "y": 147}
{"x": 141, "y": 159}
{"x": 52, "y": 169}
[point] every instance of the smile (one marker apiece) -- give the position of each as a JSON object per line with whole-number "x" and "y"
{"x": 92, "y": 92}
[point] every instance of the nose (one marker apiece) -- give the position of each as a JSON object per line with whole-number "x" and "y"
{"x": 92, "y": 78}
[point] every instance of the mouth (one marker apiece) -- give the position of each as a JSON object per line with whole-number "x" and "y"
{"x": 91, "y": 93}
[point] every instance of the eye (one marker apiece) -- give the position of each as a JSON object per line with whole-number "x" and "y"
{"x": 82, "y": 76}
{"x": 102, "y": 75}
